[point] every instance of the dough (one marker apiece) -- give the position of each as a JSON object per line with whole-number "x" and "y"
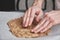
{"x": 18, "y": 30}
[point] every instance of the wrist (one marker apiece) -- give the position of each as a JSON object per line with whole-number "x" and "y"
{"x": 38, "y": 3}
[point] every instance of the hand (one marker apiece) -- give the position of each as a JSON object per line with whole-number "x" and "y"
{"x": 50, "y": 19}
{"x": 30, "y": 14}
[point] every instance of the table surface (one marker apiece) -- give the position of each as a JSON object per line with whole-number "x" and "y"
{"x": 6, "y": 35}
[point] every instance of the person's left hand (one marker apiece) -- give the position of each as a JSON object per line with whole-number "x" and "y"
{"x": 50, "y": 19}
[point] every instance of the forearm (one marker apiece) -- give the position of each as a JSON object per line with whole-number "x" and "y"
{"x": 38, "y": 3}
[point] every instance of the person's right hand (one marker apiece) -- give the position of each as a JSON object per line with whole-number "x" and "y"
{"x": 30, "y": 14}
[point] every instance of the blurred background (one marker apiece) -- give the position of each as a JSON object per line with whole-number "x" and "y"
{"x": 22, "y": 5}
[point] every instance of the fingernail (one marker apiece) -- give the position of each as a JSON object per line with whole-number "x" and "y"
{"x": 35, "y": 32}
{"x": 29, "y": 24}
{"x": 25, "y": 25}
{"x": 32, "y": 31}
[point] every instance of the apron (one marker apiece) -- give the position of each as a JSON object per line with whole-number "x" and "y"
{"x": 49, "y": 5}
{"x": 57, "y": 4}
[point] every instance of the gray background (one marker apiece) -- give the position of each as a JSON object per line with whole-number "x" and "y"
{"x": 30, "y": 2}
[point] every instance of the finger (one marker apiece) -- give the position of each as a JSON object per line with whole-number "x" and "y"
{"x": 37, "y": 13}
{"x": 42, "y": 27}
{"x": 48, "y": 27}
{"x": 39, "y": 16}
{"x": 28, "y": 17}
{"x": 24, "y": 18}
{"x": 32, "y": 15}
{"x": 39, "y": 25}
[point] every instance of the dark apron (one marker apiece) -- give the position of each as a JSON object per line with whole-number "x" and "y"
{"x": 7, "y": 5}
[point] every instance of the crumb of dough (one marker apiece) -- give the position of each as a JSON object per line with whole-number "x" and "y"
{"x": 18, "y": 30}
